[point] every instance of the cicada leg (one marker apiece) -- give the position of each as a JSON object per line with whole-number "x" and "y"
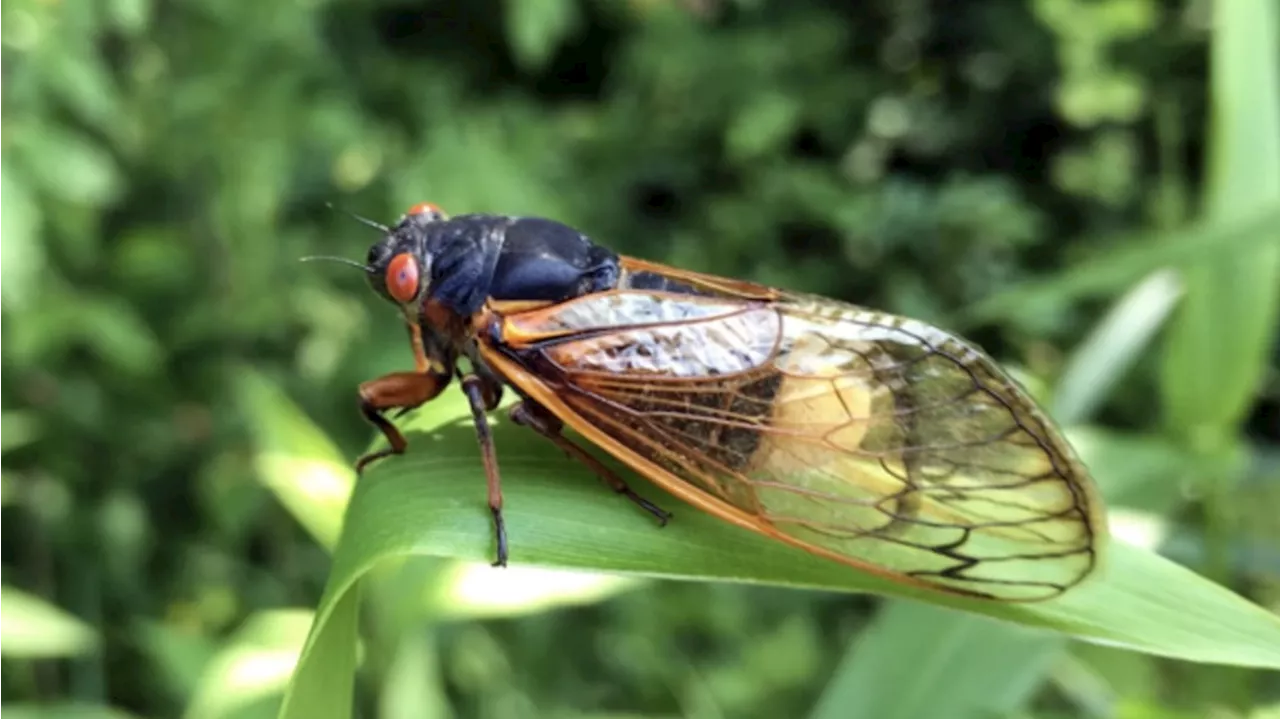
{"x": 536, "y": 417}
{"x": 397, "y": 390}
{"x": 483, "y": 395}
{"x": 402, "y": 391}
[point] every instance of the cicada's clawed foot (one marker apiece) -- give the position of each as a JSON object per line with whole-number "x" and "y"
{"x": 398, "y": 390}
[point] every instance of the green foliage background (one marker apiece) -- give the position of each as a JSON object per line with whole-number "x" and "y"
{"x": 1008, "y": 170}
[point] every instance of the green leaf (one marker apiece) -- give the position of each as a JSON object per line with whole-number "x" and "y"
{"x": 1223, "y": 334}
{"x": 131, "y": 17}
{"x": 294, "y": 459}
{"x": 470, "y": 590}
{"x": 536, "y": 27}
{"x": 1098, "y": 363}
{"x": 31, "y": 628}
{"x": 1111, "y": 272}
{"x": 1091, "y": 690}
{"x": 1269, "y": 711}
{"x": 306, "y": 472}
{"x": 177, "y": 655}
{"x": 762, "y": 126}
{"x": 919, "y": 661}
{"x": 82, "y": 80}
{"x": 65, "y": 710}
{"x": 71, "y": 166}
{"x": 23, "y": 429}
{"x": 119, "y": 334}
{"x": 252, "y": 666}
{"x": 1135, "y": 470}
{"x": 496, "y": 155}
{"x": 430, "y": 501}
{"x": 322, "y": 683}
{"x": 414, "y": 686}
{"x": 22, "y": 256}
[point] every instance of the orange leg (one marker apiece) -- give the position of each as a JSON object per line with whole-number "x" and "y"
{"x": 397, "y": 390}
{"x": 407, "y": 390}
{"x": 537, "y": 418}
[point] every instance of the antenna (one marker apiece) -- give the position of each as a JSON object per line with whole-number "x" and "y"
{"x": 362, "y": 220}
{"x": 340, "y": 260}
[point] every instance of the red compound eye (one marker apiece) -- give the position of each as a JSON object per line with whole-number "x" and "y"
{"x": 423, "y": 208}
{"x": 402, "y": 277}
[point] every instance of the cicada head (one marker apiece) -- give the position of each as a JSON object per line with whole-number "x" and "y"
{"x": 399, "y": 265}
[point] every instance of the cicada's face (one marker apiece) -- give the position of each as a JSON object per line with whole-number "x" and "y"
{"x": 399, "y": 265}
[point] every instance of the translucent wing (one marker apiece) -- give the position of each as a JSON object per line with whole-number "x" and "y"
{"x": 872, "y": 439}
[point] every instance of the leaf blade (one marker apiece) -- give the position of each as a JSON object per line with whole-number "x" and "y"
{"x": 913, "y": 653}
{"x": 32, "y": 628}
{"x": 1228, "y": 319}
{"x": 431, "y": 501}
{"x": 1112, "y": 271}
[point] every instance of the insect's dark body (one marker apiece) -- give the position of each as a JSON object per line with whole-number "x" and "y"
{"x": 481, "y": 257}
{"x": 471, "y": 260}
{"x": 874, "y": 440}
{"x": 478, "y": 257}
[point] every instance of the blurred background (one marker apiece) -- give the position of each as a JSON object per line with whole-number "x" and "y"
{"x": 1087, "y": 188}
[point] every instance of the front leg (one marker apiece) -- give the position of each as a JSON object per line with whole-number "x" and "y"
{"x": 404, "y": 391}
{"x": 397, "y": 390}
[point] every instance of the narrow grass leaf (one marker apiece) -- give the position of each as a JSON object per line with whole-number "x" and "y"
{"x": 916, "y": 661}
{"x": 65, "y": 710}
{"x": 254, "y": 665}
{"x": 1104, "y": 357}
{"x": 414, "y": 685}
{"x": 31, "y": 628}
{"x": 1222, "y": 336}
{"x": 430, "y": 501}
{"x": 323, "y": 682}
{"x": 294, "y": 459}
{"x": 1110, "y": 272}
{"x": 467, "y": 590}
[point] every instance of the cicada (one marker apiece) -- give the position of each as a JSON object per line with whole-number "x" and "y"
{"x": 873, "y": 440}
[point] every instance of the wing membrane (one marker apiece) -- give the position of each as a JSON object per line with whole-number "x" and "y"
{"x": 870, "y": 438}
